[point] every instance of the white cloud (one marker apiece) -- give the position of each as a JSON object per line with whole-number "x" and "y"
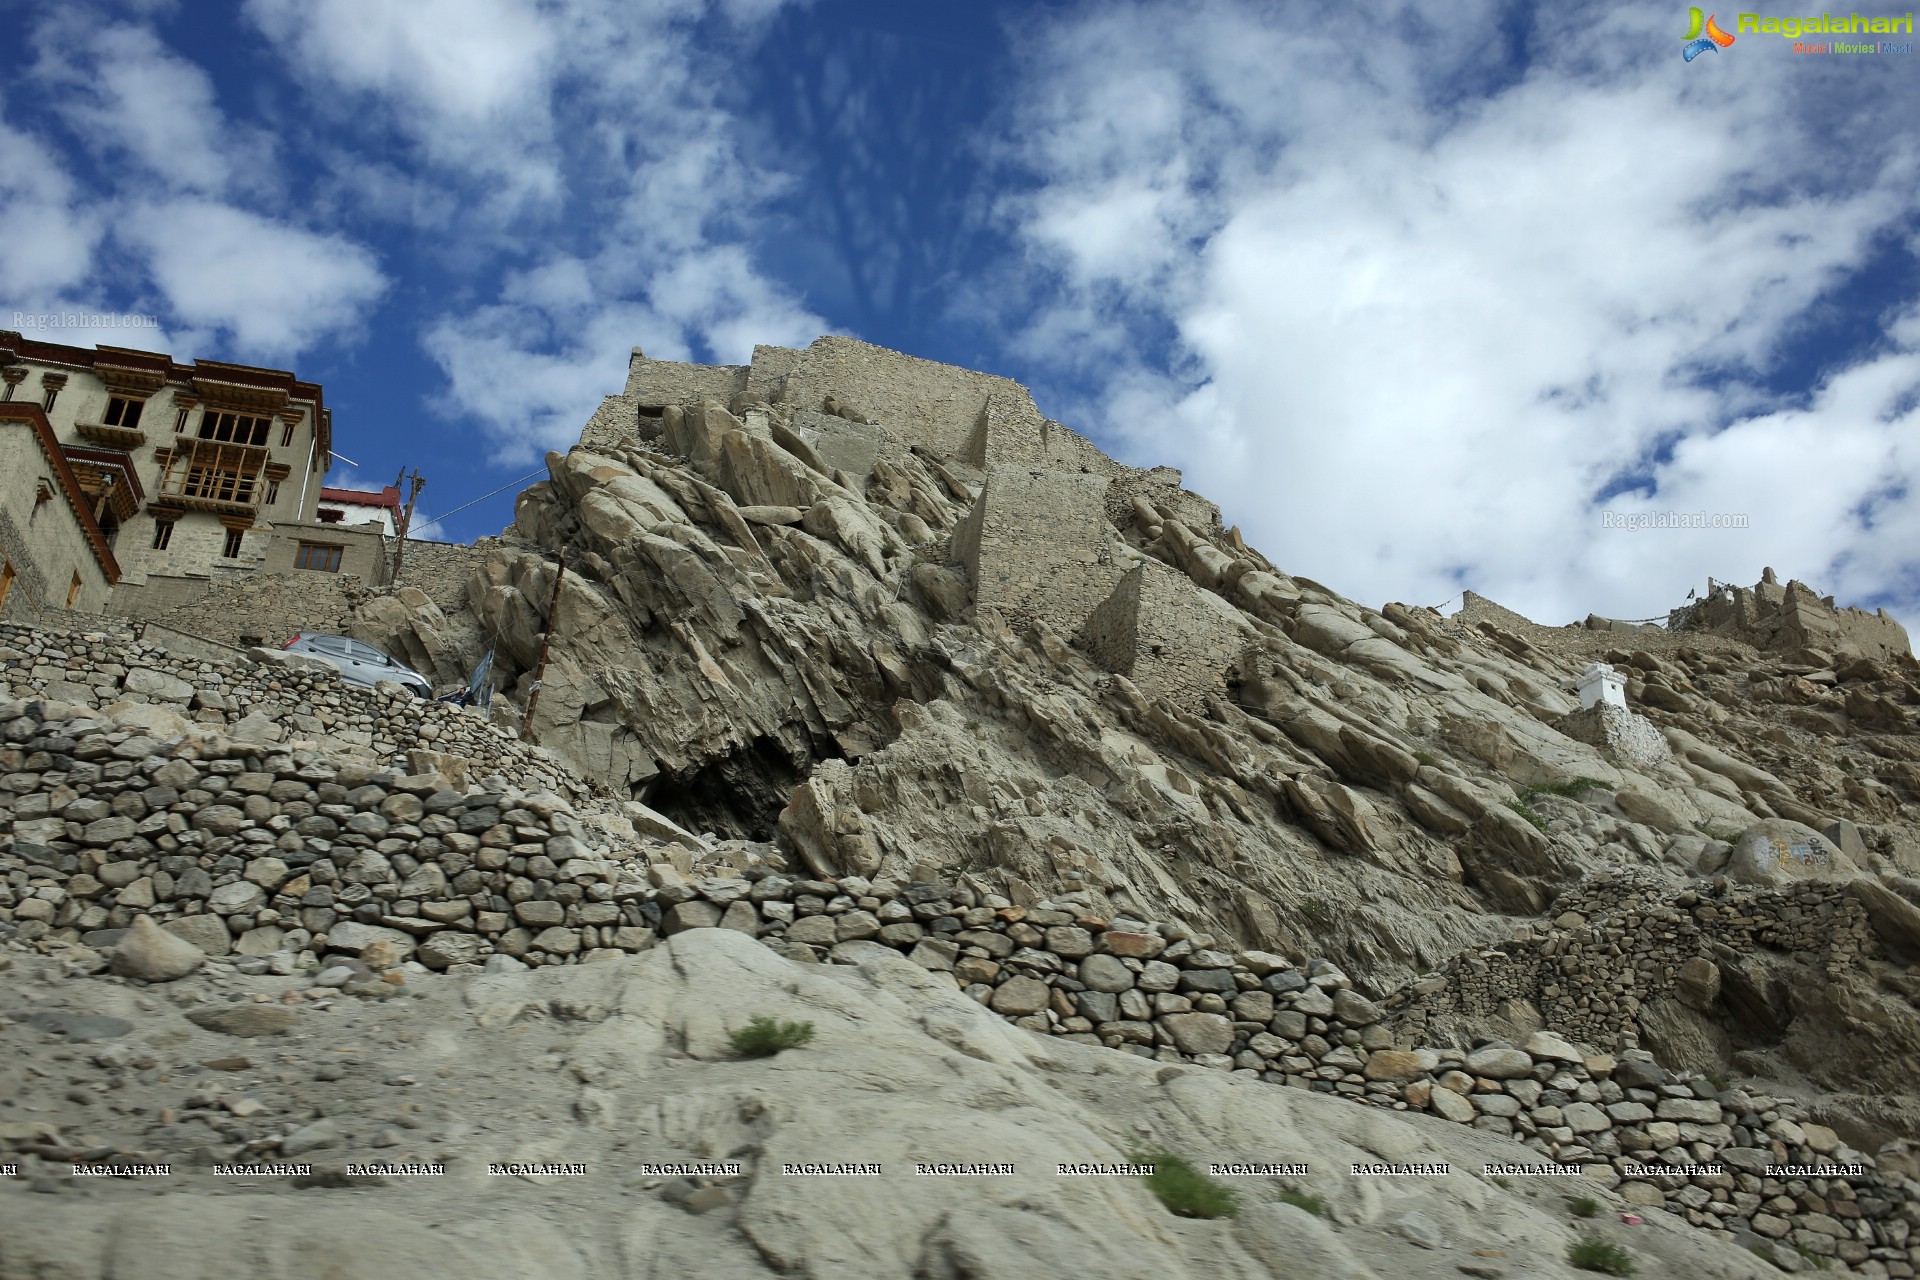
{"x": 591, "y": 129}
{"x": 275, "y": 288}
{"x": 51, "y": 235}
{"x": 1428, "y": 309}
{"x": 129, "y": 98}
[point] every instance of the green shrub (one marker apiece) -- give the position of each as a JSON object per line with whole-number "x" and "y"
{"x": 1301, "y": 1200}
{"x": 1591, "y": 1253}
{"x": 1426, "y": 757}
{"x": 1585, "y": 1207}
{"x": 1528, "y": 812}
{"x": 763, "y": 1037}
{"x": 1185, "y": 1190}
{"x": 1316, "y": 910}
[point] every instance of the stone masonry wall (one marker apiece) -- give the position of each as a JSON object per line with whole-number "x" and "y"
{"x": 655, "y": 383}
{"x": 263, "y": 703}
{"x": 767, "y": 375}
{"x": 271, "y": 860}
{"x": 1156, "y": 630}
{"x": 1621, "y": 942}
{"x": 263, "y": 608}
{"x": 1036, "y": 544}
{"x": 926, "y": 403}
{"x": 443, "y": 569}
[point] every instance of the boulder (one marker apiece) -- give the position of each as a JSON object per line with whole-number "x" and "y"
{"x": 152, "y": 954}
{"x": 1775, "y": 851}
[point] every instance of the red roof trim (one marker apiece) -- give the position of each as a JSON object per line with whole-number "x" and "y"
{"x": 387, "y": 497}
{"x": 34, "y": 416}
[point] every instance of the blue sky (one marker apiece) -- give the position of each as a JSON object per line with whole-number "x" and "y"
{"x": 1420, "y": 302}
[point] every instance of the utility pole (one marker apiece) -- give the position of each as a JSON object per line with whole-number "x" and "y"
{"x": 546, "y": 640}
{"x": 406, "y": 522}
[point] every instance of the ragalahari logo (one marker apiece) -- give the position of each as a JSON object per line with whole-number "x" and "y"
{"x": 1704, "y": 35}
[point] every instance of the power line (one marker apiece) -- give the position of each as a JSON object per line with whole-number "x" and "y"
{"x": 483, "y": 497}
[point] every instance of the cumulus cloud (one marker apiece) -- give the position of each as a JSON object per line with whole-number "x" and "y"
{"x": 51, "y": 234}
{"x": 125, "y": 188}
{"x": 597, "y": 187}
{"x": 275, "y": 288}
{"x": 133, "y": 101}
{"x": 1434, "y": 311}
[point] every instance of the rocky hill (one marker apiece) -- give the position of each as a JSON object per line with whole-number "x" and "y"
{"x": 856, "y": 653}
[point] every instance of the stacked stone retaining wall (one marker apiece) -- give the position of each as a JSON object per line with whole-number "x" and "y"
{"x": 274, "y": 860}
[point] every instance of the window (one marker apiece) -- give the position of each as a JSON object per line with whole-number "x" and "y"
{"x": 286, "y": 436}
{"x": 319, "y": 556}
{"x": 53, "y": 393}
{"x": 7, "y": 576}
{"x": 232, "y": 550}
{"x": 233, "y": 428}
{"x": 367, "y": 653}
{"x": 162, "y": 534}
{"x": 123, "y": 411}
{"x": 180, "y": 423}
{"x": 273, "y": 491}
{"x": 73, "y": 589}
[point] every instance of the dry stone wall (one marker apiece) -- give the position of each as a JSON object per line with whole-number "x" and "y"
{"x": 268, "y": 703}
{"x": 657, "y": 383}
{"x": 1036, "y": 544}
{"x": 927, "y": 403}
{"x": 1156, "y": 630}
{"x": 271, "y": 860}
{"x": 1620, "y": 942}
{"x": 260, "y": 609}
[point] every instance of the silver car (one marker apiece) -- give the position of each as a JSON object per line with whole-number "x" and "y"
{"x": 360, "y": 664}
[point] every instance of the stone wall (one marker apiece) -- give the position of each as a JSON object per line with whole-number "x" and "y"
{"x": 284, "y": 861}
{"x": 767, "y": 375}
{"x": 847, "y": 446}
{"x": 263, "y": 703}
{"x": 655, "y": 383}
{"x": 1621, "y": 943}
{"x": 1160, "y": 486}
{"x": 253, "y": 609}
{"x": 1037, "y": 544}
{"x": 1014, "y": 432}
{"x": 926, "y": 403}
{"x": 443, "y": 569}
{"x": 1158, "y": 631}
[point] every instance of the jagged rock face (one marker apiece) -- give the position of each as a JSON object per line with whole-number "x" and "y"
{"x": 836, "y": 614}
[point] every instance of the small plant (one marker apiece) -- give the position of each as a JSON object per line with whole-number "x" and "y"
{"x": 1718, "y": 1081}
{"x": 1426, "y": 757}
{"x": 1316, "y": 910}
{"x": 1528, "y": 812}
{"x": 1814, "y": 1260}
{"x": 1301, "y": 1200}
{"x": 763, "y": 1037}
{"x": 1585, "y": 1207}
{"x": 1504, "y": 1183}
{"x": 1185, "y": 1190}
{"x": 1591, "y": 1253}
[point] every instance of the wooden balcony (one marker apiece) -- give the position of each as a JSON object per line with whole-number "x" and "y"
{"x": 113, "y": 437}
{"x": 214, "y": 475}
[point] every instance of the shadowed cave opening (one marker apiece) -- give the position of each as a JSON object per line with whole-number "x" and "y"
{"x": 739, "y": 795}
